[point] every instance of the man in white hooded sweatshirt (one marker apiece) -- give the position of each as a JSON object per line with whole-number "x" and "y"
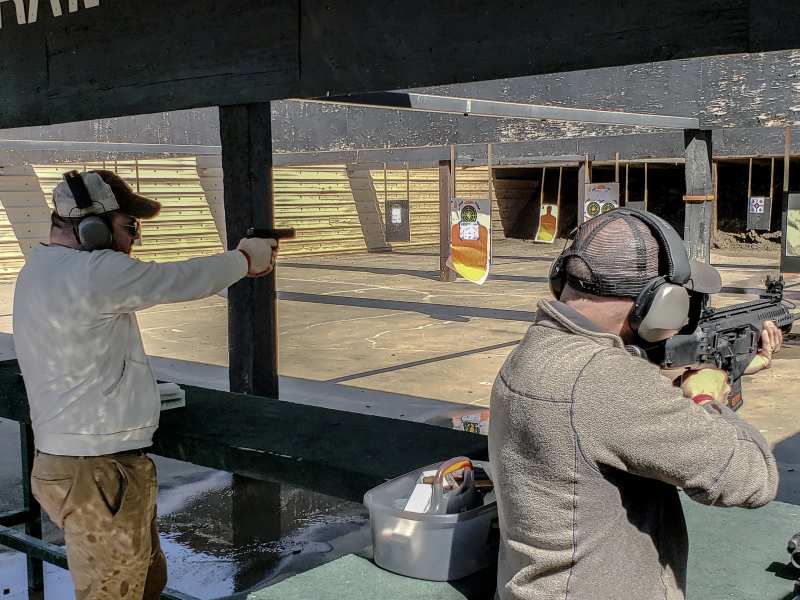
{"x": 93, "y": 398}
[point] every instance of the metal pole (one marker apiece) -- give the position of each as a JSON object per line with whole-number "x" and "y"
{"x": 616, "y": 167}
{"x": 750, "y": 180}
{"x": 645, "y": 186}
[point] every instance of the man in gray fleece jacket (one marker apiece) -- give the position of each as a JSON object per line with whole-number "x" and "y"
{"x": 589, "y": 443}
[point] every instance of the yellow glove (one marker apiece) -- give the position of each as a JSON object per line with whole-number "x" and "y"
{"x": 706, "y": 385}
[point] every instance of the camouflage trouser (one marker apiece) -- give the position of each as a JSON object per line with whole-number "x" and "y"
{"x": 106, "y": 506}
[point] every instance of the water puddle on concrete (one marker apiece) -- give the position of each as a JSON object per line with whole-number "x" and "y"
{"x": 224, "y": 534}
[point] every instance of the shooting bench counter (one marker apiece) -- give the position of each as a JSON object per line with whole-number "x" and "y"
{"x": 735, "y": 554}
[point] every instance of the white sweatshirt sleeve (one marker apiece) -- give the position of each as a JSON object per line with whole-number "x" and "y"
{"x": 121, "y": 284}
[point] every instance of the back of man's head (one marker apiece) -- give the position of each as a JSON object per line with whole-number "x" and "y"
{"x": 614, "y": 254}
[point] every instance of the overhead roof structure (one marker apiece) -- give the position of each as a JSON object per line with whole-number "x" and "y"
{"x": 106, "y": 58}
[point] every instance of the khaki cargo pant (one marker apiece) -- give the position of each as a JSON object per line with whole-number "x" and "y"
{"x": 106, "y": 506}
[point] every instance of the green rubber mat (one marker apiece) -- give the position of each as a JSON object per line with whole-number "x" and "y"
{"x": 735, "y": 554}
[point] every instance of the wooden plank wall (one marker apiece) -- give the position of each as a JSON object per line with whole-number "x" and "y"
{"x": 24, "y": 217}
{"x": 422, "y": 191}
{"x": 316, "y": 200}
{"x": 472, "y": 182}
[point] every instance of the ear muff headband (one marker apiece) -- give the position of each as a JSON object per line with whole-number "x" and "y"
{"x": 678, "y": 269}
{"x": 83, "y": 199}
{"x": 93, "y": 232}
{"x": 663, "y": 295}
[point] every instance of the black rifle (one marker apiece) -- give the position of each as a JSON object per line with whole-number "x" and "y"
{"x": 275, "y": 234}
{"x": 728, "y": 338}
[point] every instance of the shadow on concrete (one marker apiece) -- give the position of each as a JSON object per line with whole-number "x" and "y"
{"x": 547, "y": 259}
{"x": 429, "y": 275}
{"x": 426, "y": 361}
{"x": 445, "y": 312}
{"x": 787, "y": 454}
{"x": 760, "y": 267}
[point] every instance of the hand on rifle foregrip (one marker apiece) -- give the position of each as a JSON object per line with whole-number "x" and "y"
{"x": 770, "y": 343}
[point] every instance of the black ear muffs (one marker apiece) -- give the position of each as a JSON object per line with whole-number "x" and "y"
{"x": 93, "y": 231}
{"x": 557, "y": 278}
{"x": 644, "y": 301}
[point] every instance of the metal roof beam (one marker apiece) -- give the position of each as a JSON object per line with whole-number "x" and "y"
{"x": 507, "y": 110}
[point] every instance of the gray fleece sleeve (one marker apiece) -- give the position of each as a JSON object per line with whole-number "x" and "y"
{"x": 628, "y": 416}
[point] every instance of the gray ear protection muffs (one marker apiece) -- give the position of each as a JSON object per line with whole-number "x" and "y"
{"x": 93, "y": 231}
{"x": 662, "y": 307}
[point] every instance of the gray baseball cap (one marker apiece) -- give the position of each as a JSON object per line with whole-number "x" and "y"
{"x": 617, "y": 254}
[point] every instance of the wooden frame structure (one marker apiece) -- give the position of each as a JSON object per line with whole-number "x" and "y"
{"x": 102, "y": 59}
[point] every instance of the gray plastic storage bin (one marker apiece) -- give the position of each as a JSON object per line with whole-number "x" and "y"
{"x": 424, "y": 546}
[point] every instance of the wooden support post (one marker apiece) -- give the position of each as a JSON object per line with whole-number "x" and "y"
{"x": 787, "y": 151}
{"x": 453, "y": 189}
{"x": 490, "y": 188}
{"x": 445, "y": 191}
{"x": 749, "y": 180}
{"x": 541, "y": 190}
{"x": 588, "y": 169}
{"x": 646, "y": 186}
{"x": 627, "y": 178}
{"x": 33, "y": 526}
{"x": 697, "y": 221}
{"x": 583, "y": 174}
{"x": 558, "y": 201}
{"x": 246, "y": 135}
{"x": 714, "y": 204}
{"x": 771, "y": 179}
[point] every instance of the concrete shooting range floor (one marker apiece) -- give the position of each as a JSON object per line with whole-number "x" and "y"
{"x": 380, "y": 334}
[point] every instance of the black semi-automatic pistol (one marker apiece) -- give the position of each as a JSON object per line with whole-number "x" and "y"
{"x": 274, "y": 234}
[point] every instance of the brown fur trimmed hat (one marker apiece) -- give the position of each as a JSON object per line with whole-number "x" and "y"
{"x": 129, "y": 201}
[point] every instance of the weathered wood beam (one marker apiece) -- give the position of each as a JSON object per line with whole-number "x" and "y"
{"x": 445, "y": 193}
{"x": 699, "y": 195}
{"x": 252, "y": 303}
{"x": 66, "y": 68}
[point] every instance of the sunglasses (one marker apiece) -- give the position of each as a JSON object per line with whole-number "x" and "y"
{"x": 133, "y": 229}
